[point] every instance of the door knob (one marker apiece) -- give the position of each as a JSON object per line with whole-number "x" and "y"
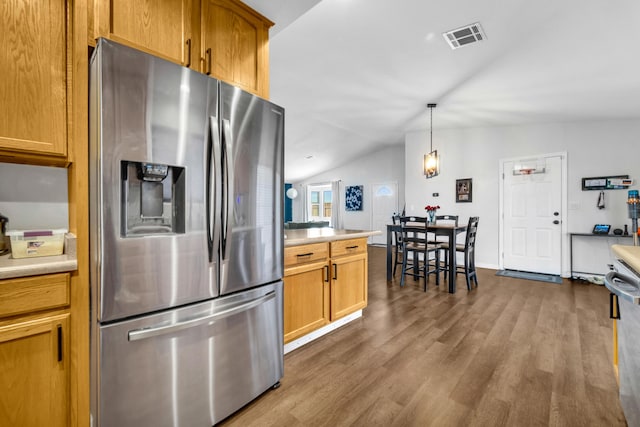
{"x": 556, "y": 213}
{"x": 556, "y": 222}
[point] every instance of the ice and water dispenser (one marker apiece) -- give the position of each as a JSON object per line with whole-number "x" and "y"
{"x": 153, "y": 199}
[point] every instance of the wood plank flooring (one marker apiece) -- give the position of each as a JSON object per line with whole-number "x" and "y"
{"x": 512, "y": 352}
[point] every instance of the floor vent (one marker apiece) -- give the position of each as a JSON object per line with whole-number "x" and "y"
{"x": 464, "y": 36}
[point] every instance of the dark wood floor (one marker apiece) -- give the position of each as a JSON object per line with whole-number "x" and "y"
{"x": 512, "y": 352}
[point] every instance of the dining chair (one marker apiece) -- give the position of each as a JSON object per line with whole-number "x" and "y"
{"x": 469, "y": 249}
{"x": 414, "y": 242}
{"x": 397, "y": 245}
{"x": 447, "y": 219}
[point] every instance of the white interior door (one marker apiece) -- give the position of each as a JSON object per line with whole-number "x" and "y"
{"x": 532, "y": 204}
{"x": 384, "y": 204}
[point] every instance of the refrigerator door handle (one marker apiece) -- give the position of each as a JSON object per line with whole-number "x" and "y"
{"x": 227, "y": 170}
{"x": 623, "y": 286}
{"x": 214, "y": 177}
{"x": 144, "y": 333}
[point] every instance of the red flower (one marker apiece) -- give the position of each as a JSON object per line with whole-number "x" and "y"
{"x": 431, "y": 208}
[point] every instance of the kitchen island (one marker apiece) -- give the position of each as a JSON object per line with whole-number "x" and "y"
{"x": 624, "y": 283}
{"x": 325, "y": 281}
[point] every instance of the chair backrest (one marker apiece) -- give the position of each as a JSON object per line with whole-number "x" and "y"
{"x": 414, "y": 229}
{"x": 397, "y": 235}
{"x": 470, "y": 243}
{"x": 448, "y": 218}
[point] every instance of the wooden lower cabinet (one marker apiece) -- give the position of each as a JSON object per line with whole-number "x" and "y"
{"x": 348, "y": 285}
{"x": 35, "y": 351}
{"x": 323, "y": 282}
{"x": 306, "y": 299}
{"x": 34, "y": 372}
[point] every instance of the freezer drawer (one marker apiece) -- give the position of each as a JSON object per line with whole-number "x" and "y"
{"x": 192, "y": 366}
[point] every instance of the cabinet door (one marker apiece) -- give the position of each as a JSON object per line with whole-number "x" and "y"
{"x": 235, "y": 45}
{"x": 33, "y": 87}
{"x": 348, "y": 285}
{"x": 162, "y": 28}
{"x": 34, "y": 364}
{"x": 306, "y": 299}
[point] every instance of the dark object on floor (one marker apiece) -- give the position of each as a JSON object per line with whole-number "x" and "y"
{"x": 549, "y": 278}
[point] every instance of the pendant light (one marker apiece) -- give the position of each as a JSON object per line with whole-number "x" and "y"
{"x": 431, "y": 160}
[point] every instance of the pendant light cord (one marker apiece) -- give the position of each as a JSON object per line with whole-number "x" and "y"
{"x": 431, "y": 130}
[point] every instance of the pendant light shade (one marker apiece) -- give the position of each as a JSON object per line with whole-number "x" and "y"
{"x": 431, "y": 164}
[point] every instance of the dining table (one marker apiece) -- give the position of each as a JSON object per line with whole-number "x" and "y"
{"x": 449, "y": 230}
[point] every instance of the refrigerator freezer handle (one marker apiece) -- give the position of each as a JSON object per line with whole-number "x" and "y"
{"x": 140, "y": 334}
{"x": 227, "y": 170}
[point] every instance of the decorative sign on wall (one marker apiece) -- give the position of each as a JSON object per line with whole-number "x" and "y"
{"x": 616, "y": 182}
{"x": 353, "y": 197}
{"x": 463, "y": 190}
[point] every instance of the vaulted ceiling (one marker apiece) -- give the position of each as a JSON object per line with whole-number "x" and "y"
{"x": 355, "y": 75}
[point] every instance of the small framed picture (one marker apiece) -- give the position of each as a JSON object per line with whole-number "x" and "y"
{"x": 464, "y": 190}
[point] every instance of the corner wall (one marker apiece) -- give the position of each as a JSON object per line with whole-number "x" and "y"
{"x": 593, "y": 149}
{"x": 386, "y": 165}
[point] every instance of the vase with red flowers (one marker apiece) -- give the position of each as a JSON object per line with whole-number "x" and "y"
{"x": 431, "y": 211}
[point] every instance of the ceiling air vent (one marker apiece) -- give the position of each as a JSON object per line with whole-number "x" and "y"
{"x": 465, "y": 35}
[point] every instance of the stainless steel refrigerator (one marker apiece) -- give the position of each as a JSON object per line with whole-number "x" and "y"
{"x": 186, "y": 243}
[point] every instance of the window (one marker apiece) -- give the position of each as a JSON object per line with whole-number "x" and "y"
{"x": 320, "y": 203}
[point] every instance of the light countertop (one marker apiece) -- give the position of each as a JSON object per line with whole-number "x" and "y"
{"x": 304, "y": 236}
{"x": 21, "y": 267}
{"x": 629, "y": 254}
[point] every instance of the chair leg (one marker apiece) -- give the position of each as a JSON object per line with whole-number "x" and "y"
{"x": 426, "y": 272}
{"x": 395, "y": 263}
{"x": 446, "y": 264}
{"x": 437, "y": 267}
{"x": 404, "y": 268}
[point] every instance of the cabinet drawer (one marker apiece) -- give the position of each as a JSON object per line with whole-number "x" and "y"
{"x": 295, "y": 255}
{"x": 348, "y": 247}
{"x": 33, "y": 293}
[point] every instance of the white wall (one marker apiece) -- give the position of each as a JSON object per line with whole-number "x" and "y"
{"x": 34, "y": 197}
{"x": 597, "y": 148}
{"x": 381, "y": 166}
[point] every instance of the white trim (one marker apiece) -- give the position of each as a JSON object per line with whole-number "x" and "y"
{"x": 322, "y": 331}
{"x": 564, "y": 224}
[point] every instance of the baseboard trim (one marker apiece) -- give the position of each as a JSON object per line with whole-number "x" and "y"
{"x": 322, "y": 331}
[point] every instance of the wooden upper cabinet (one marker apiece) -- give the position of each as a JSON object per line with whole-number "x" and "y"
{"x": 33, "y": 87}
{"x": 235, "y": 45}
{"x": 162, "y": 28}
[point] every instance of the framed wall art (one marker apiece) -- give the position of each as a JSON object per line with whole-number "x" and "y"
{"x": 464, "y": 190}
{"x": 353, "y": 198}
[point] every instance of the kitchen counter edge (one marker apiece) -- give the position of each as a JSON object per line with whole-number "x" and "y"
{"x": 629, "y": 254}
{"x": 11, "y": 268}
{"x": 319, "y": 235}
